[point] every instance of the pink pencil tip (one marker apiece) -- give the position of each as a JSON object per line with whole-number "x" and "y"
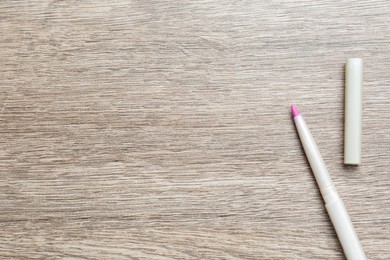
{"x": 294, "y": 111}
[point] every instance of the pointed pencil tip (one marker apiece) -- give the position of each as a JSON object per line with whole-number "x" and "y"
{"x": 294, "y": 110}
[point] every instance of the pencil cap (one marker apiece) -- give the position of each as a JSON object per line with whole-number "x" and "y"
{"x": 353, "y": 111}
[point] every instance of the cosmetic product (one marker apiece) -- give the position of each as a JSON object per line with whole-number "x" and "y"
{"x": 333, "y": 203}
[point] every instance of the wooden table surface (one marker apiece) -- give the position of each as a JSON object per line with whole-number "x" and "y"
{"x": 161, "y": 129}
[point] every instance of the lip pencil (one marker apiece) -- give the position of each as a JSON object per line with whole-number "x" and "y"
{"x": 333, "y": 203}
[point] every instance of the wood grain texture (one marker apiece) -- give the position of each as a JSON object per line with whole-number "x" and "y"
{"x": 161, "y": 129}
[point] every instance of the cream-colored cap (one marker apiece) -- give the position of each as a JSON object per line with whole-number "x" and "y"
{"x": 353, "y": 111}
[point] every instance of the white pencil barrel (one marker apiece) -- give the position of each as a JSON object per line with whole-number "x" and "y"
{"x": 345, "y": 231}
{"x": 313, "y": 155}
{"x": 334, "y": 205}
